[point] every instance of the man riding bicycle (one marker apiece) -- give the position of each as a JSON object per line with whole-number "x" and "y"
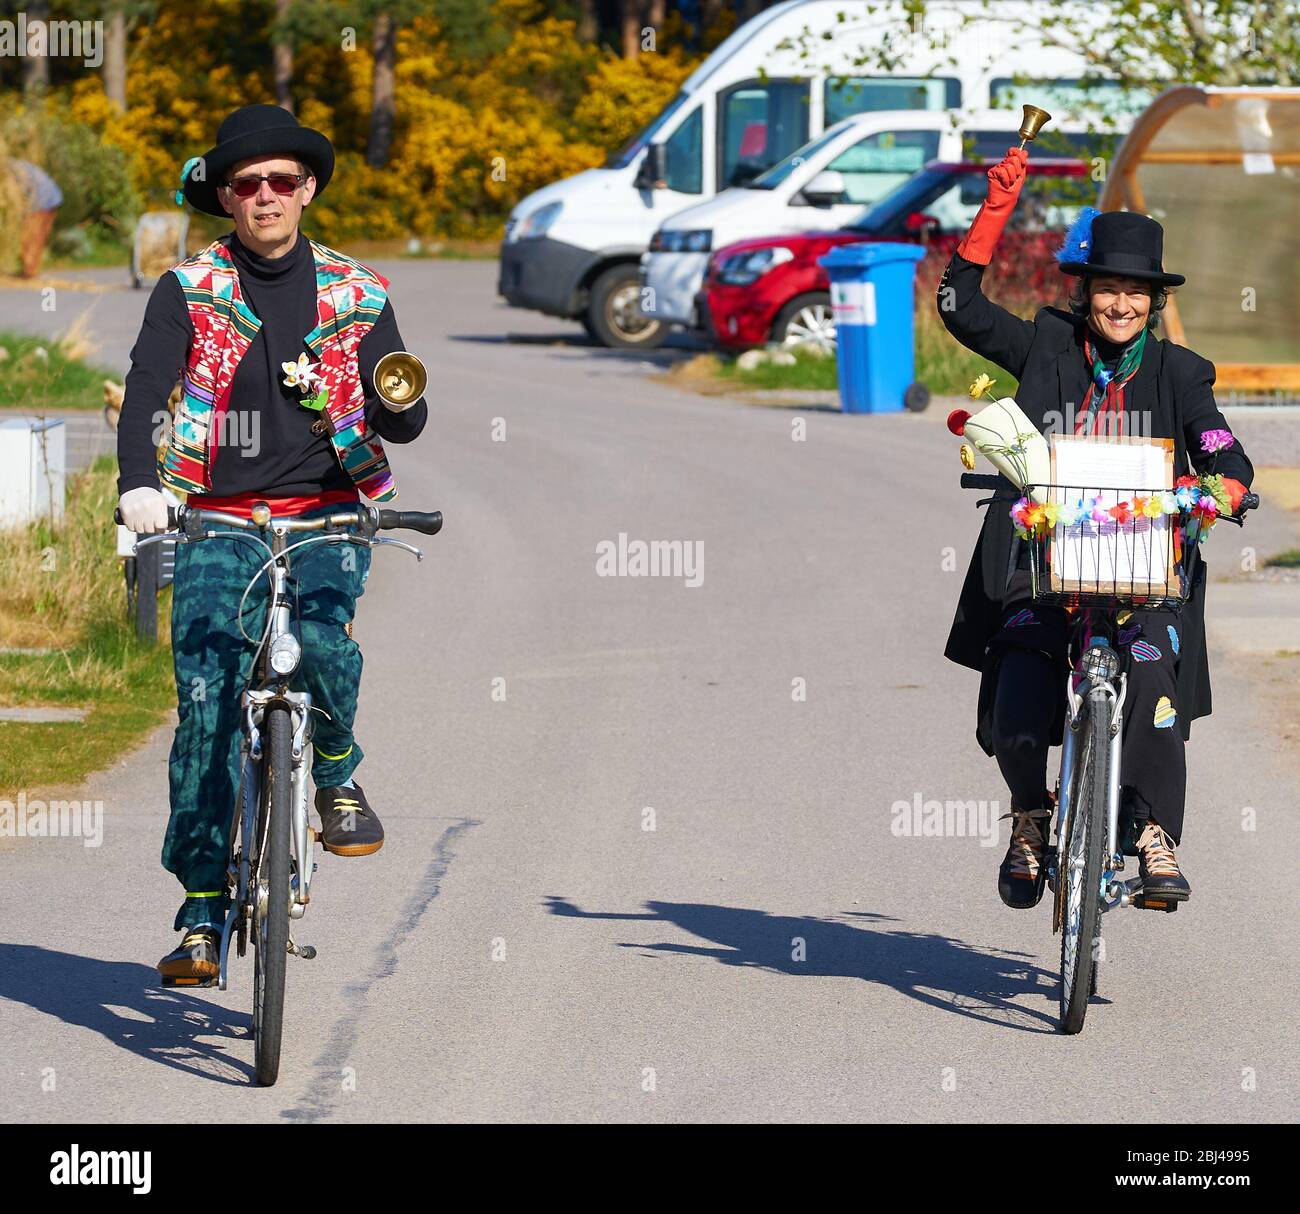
{"x": 275, "y": 340}
{"x": 1098, "y": 368}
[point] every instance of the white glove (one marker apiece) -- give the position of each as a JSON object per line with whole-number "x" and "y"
{"x": 144, "y": 511}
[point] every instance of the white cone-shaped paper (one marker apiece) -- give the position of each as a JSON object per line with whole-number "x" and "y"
{"x": 1012, "y": 444}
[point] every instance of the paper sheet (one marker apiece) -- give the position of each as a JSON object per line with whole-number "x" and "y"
{"x": 1124, "y": 558}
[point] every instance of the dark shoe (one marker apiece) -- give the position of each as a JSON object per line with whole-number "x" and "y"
{"x": 1024, "y": 868}
{"x": 1158, "y": 866}
{"x": 349, "y": 827}
{"x": 197, "y": 961}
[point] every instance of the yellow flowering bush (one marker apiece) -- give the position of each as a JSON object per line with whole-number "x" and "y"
{"x": 471, "y": 136}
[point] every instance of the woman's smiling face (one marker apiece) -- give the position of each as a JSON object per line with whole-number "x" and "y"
{"x": 1118, "y": 307}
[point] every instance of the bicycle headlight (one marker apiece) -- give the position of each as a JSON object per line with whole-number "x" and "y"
{"x": 285, "y": 654}
{"x": 1100, "y": 662}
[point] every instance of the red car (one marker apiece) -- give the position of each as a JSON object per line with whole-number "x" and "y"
{"x": 772, "y": 289}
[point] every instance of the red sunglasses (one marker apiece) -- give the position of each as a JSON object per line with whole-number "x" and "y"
{"x": 281, "y": 183}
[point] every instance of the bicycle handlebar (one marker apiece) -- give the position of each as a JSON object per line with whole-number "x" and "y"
{"x": 980, "y": 480}
{"x": 429, "y": 522}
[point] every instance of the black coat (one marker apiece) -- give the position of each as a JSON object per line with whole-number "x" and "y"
{"x": 1173, "y": 387}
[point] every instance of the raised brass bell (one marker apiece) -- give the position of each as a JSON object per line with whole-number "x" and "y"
{"x": 1034, "y": 121}
{"x": 967, "y": 457}
{"x": 400, "y": 378}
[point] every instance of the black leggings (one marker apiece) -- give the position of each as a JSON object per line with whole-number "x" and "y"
{"x": 1154, "y": 766}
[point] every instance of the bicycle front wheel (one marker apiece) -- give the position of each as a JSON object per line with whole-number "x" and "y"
{"x": 271, "y": 937}
{"x": 1080, "y": 868}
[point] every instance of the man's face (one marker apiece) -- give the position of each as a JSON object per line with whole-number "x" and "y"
{"x": 267, "y": 218}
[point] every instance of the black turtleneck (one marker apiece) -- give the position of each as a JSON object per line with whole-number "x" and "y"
{"x": 270, "y": 447}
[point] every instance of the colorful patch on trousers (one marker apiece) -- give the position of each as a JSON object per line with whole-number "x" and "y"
{"x": 1130, "y": 634}
{"x": 1020, "y": 619}
{"x": 1173, "y": 637}
{"x": 1165, "y": 714}
{"x": 1144, "y": 651}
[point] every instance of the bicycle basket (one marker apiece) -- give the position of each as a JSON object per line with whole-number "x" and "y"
{"x": 1109, "y": 548}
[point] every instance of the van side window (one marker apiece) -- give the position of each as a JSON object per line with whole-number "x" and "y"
{"x": 845, "y": 95}
{"x": 684, "y": 156}
{"x": 883, "y": 161}
{"x": 1068, "y": 94}
{"x": 759, "y": 123}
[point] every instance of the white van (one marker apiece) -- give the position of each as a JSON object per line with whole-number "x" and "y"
{"x": 572, "y": 248}
{"x": 826, "y": 185}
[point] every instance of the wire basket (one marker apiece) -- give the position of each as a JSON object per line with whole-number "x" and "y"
{"x": 1134, "y": 561}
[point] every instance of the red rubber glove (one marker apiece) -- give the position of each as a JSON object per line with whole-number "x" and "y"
{"x": 1236, "y": 491}
{"x": 1005, "y": 180}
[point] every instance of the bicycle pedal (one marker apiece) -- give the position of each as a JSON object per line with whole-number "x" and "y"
{"x": 1168, "y": 905}
{"x": 190, "y": 982}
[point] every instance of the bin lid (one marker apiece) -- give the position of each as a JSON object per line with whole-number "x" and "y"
{"x": 872, "y": 253}
{"x": 32, "y": 424}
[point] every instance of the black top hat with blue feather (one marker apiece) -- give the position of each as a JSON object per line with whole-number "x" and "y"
{"x": 1119, "y": 243}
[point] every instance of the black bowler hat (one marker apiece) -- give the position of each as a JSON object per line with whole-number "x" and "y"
{"x": 255, "y": 131}
{"x": 1122, "y": 243}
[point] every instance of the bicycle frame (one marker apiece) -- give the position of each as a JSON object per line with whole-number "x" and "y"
{"x": 1110, "y": 692}
{"x": 268, "y": 686}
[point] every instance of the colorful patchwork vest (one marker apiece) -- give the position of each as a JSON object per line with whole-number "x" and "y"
{"x": 349, "y": 299}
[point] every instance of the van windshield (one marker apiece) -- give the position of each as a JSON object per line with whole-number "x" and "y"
{"x": 800, "y": 156}
{"x": 630, "y": 150}
{"x": 910, "y": 196}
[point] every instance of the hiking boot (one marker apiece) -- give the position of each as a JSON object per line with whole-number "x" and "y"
{"x": 349, "y": 827}
{"x": 1158, "y": 866}
{"x": 196, "y": 961}
{"x": 1023, "y": 873}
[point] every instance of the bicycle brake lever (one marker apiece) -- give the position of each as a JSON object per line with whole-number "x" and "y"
{"x": 156, "y": 538}
{"x": 377, "y": 541}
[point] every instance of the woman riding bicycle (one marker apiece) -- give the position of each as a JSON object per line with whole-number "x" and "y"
{"x": 1098, "y": 367}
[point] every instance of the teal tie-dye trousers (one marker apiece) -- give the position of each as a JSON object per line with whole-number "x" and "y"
{"x": 212, "y": 661}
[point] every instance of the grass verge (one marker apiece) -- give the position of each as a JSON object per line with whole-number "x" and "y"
{"x": 38, "y": 374}
{"x": 64, "y": 595}
{"x": 942, "y": 363}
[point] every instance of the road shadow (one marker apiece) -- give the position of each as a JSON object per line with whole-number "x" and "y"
{"x": 941, "y": 971}
{"x": 678, "y": 348}
{"x": 122, "y": 1002}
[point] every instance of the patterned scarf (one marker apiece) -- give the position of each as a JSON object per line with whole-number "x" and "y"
{"x": 1106, "y": 392}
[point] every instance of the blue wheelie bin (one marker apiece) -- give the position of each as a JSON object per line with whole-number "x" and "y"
{"x": 872, "y": 298}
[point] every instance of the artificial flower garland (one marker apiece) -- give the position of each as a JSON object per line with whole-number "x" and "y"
{"x": 1198, "y": 499}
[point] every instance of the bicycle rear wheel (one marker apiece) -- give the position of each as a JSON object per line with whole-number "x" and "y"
{"x": 271, "y": 937}
{"x": 1080, "y": 868}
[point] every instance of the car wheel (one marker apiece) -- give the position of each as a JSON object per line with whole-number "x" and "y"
{"x": 614, "y": 313}
{"x": 806, "y": 319}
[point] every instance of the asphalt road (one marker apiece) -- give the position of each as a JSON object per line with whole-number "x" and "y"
{"x": 524, "y": 947}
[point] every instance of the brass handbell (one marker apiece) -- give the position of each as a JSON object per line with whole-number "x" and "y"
{"x": 1034, "y": 121}
{"x": 400, "y": 378}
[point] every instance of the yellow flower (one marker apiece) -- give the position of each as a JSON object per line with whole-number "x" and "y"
{"x": 981, "y": 385}
{"x": 1153, "y": 507}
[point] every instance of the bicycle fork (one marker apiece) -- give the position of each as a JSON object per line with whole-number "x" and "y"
{"x": 1100, "y": 696}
